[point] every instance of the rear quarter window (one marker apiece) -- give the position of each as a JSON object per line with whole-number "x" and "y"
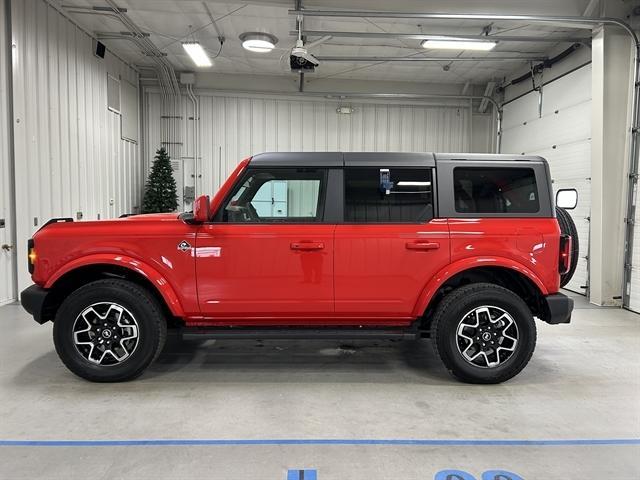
{"x": 495, "y": 190}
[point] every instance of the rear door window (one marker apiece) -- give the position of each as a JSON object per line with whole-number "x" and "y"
{"x": 406, "y": 198}
{"x": 495, "y": 190}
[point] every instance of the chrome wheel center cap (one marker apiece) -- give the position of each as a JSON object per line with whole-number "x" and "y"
{"x": 486, "y": 336}
{"x": 106, "y": 333}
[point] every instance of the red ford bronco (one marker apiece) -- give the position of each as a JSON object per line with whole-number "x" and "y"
{"x": 465, "y": 249}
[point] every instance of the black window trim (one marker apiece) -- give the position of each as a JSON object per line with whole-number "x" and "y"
{"x": 390, "y": 165}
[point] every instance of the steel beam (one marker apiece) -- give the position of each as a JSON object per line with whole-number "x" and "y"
{"x": 429, "y": 59}
{"x": 424, "y": 36}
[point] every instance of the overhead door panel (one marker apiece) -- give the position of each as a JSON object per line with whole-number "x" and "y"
{"x": 634, "y": 286}
{"x": 562, "y": 135}
{"x": 7, "y": 284}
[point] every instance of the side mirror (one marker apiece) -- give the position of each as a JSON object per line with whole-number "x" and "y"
{"x": 567, "y": 198}
{"x": 201, "y": 209}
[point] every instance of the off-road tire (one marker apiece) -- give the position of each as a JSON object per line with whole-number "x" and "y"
{"x": 455, "y": 306}
{"x": 568, "y": 227}
{"x": 152, "y": 329}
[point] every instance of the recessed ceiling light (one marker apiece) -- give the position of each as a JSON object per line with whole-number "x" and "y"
{"x": 197, "y": 54}
{"x": 459, "y": 44}
{"x": 258, "y": 42}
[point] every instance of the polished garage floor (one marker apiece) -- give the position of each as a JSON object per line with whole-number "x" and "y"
{"x": 245, "y": 409}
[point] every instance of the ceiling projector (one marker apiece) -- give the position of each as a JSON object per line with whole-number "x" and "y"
{"x": 301, "y": 59}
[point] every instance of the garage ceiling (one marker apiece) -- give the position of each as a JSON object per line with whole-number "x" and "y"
{"x": 168, "y": 23}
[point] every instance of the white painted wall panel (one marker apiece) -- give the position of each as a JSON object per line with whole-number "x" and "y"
{"x": 68, "y": 146}
{"x": 563, "y": 137}
{"x": 7, "y": 287}
{"x": 235, "y": 127}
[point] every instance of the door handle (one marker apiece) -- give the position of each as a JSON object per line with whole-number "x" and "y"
{"x": 422, "y": 245}
{"x": 307, "y": 246}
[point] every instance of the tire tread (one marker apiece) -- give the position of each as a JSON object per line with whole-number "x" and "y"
{"x": 568, "y": 227}
{"x": 142, "y": 295}
{"x": 440, "y": 315}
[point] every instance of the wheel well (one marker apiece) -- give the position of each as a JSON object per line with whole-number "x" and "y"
{"x": 505, "y": 277}
{"x": 78, "y": 277}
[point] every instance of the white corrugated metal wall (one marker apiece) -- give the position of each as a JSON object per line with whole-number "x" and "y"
{"x": 233, "y": 127}
{"x": 563, "y": 136}
{"x": 69, "y": 153}
{"x": 7, "y": 290}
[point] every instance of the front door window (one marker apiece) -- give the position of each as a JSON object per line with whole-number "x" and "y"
{"x": 277, "y": 196}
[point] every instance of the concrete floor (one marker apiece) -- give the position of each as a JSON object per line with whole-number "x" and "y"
{"x": 582, "y": 383}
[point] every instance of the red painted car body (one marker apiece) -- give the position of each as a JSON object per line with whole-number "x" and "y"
{"x": 299, "y": 274}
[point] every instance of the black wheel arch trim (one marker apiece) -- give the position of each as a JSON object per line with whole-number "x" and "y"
{"x": 33, "y": 300}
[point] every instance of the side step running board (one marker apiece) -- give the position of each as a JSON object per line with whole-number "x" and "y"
{"x": 241, "y": 333}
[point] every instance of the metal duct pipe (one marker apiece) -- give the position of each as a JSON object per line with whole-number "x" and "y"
{"x": 194, "y": 103}
{"x": 157, "y": 54}
{"x": 147, "y": 47}
{"x": 166, "y": 75}
{"x": 574, "y": 22}
{"x": 577, "y": 22}
{"x": 427, "y": 59}
{"x": 127, "y": 38}
{"x": 423, "y": 36}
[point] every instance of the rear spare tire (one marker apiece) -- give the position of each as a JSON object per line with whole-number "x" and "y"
{"x": 568, "y": 227}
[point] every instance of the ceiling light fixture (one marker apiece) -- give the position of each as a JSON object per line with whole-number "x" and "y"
{"x": 459, "y": 44}
{"x": 258, "y": 42}
{"x": 197, "y": 54}
{"x": 404, "y": 183}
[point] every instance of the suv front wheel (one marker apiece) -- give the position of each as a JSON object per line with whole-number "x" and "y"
{"x": 483, "y": 333}
{"x": 109, "y": 330}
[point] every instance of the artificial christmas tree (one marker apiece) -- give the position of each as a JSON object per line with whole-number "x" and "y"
{"x": 160, "y": 193}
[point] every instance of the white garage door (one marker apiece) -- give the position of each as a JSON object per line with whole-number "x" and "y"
{"x": 563, "y": 137}
{"x": 7, "y": 287}
{"x": 634, "y": 287}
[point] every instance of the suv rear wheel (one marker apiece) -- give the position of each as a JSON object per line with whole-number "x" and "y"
{"x": 483, "y": 333}
{"x": 109, "y": 330}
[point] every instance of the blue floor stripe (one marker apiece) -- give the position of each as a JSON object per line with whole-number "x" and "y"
{"x": 303, "y": 474}
{"x": 396, "y": 442}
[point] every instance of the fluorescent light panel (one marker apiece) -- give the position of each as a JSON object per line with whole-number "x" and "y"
{"x": 197, "y": 54}
{"x": 458, "y": 44}
{"x": 413, "y": 184}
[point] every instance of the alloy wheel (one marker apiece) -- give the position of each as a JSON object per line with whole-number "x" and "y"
{"x": 105, "y": 333}
{"x": 487, "y": 336}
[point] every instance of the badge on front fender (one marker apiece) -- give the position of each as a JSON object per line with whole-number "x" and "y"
{"x": 183, "y": 246}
